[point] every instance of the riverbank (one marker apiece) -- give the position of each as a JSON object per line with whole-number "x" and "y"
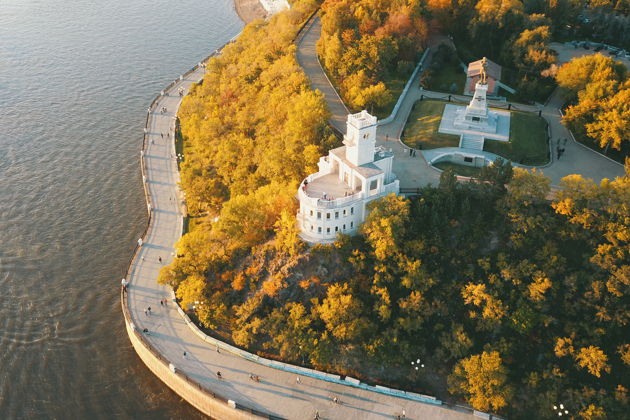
{"x": 249, "y": 10}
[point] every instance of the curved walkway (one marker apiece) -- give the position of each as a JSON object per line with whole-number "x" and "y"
{"x": 278, "y": 393}
{"x": 415, "y": 172}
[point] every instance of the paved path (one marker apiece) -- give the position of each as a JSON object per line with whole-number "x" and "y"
{"x": 307, "y": 57}
{"x": 415, "y": 172}
{"x": 277, "y": 393}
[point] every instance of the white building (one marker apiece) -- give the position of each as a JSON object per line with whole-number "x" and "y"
{"x": 334, "y": 199}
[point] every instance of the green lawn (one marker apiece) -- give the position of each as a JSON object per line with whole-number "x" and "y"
{"x": 443, "y": 79}
{"x": 528, "y": 141}
{"x": 461, "y": 170}
{"x": 421, "y": 130}
{"x": 395, "y": 83}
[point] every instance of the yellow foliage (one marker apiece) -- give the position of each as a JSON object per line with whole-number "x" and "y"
{"x": 564, "y": 346}
{"x": 593, "y": 359}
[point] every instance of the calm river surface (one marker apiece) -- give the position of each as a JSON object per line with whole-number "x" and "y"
{"x": 76, "y": 77}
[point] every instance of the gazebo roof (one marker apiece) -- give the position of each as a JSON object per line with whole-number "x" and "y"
{"x": 492, "y": 69}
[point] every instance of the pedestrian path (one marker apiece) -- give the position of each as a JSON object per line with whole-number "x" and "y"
{"x": 415, "y": 172}
{"x": 278, "y": 393}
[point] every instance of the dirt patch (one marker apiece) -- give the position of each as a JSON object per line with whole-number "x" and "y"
{"x": 249, "y": 10}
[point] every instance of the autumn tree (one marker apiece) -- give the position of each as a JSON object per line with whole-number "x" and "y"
{"x": 482, "y": 379}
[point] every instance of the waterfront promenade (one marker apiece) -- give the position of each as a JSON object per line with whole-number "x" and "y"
{"x": 162, "y": 337}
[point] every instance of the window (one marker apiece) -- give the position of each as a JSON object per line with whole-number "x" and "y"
{"x": 468, "y": 159}
{"x": 327, "y": 230}
{"x": 351, "y": 210}
{"x": 311, "y": 213}
{"x": 336, "y": 215}
{"x": 311, "y": 228}
{"x": 344, "y": 227}
{"x": 373, "y": 184}
{"x": 351, "y": 225}
{"x": 319, "y": 214}
{"x": 336, "y": 228}
{"x": 327, "y": 216}
{"x": 476, "y": 119}
{"x": 319, "y": 229}
{"x": 344, "y": 212}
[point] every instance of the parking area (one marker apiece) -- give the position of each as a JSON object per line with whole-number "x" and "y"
{"x": 569, "y": 50}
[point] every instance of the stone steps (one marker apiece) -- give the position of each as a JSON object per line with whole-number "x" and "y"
{"x": 470, "y": 141}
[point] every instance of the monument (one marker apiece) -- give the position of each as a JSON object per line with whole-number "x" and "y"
{"x": 475, "y": 123}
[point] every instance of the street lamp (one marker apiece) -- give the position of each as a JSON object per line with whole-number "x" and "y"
{"x": 560, "y": 410}
{"x": 417, "y": 365}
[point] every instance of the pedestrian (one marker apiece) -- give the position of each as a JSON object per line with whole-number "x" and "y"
{"x": 146, "y": 312}
{"x": 162, "y": 134}
{"x": 185, "y": 355}
{"x": 149, "y": 309}
{"x": 316, "y": 415}
{"x": 410, "y": 152}
{"x": 403, "y": 413}
{"x": 218, "y": 349}
{"x": 414, "y": 152}
{"x": 160, "y": 260}
{"x": 297, "y": 380}
{"x": 336, "y": 400}
{"x": 219, "y": 374}
{"x": 161, "y": 302}
{"x": 558, "y": 151}
{"x": 386, "y": 137}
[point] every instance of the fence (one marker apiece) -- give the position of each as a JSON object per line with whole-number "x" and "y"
{"x": 401, "y": 98}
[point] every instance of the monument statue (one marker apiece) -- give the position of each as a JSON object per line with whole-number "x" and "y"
{"x": 484, "y": 75}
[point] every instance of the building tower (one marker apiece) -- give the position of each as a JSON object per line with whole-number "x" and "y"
{"x": 360, "y": 138}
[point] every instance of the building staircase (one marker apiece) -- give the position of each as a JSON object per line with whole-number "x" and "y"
{"x": 471, "y": 141}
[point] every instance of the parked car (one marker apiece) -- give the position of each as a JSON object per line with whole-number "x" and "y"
{"x": 599, "y": 49}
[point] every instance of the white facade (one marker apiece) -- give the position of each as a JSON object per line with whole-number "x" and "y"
{"x": 334, "y": 199}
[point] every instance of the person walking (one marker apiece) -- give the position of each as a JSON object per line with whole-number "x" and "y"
{"x": 219, "y": 374}
{"x": 185, "y": 354}
{"x": 297, "y": 380}
{"x": 149, "y": 310}
{"x": 160, "y": 260}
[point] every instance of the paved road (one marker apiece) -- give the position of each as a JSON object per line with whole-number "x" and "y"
{"x": 415, "y": 172}
{"x": 307, "y": 57}
{"x": 277, "y": 393}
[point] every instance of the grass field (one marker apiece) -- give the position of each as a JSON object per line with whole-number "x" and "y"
{"x": 443, "y": 79}
{"x": 421, "y": 130}
{"x": 395, "y": 83}
{"x": 461, "y": 170}
{"x": 528, "y": 141}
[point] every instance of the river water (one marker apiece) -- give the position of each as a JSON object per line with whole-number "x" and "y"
{"x": 76, "y": 78}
